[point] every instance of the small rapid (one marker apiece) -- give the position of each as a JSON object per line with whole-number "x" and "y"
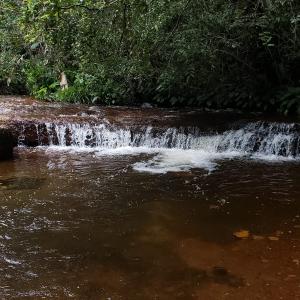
{"x": 174, "y": 149}
{"x": 277, "y": 139}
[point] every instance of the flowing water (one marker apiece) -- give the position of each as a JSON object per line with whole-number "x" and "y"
{"x": 133, "y": 204}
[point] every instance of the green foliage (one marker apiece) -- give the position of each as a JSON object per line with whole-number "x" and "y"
{"x": 11, "y": 43}
{"x": 290, "y": 101}
{"x": 209, "y": 53}
{"x": 40, "y": 79}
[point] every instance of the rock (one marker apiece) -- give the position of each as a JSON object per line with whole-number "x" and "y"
{"x": 83, "y": 114}
{"x": 43, "y": 135}
{"x": 7, "y": 143}
{"x": 30, "y": 135}
{"x": 146, "y": 105}
{"x": 242, "y": 234}
{"x": 95, "y": 108}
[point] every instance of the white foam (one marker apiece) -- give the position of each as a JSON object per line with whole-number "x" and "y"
{"x": 273, "y": 158}
{"x": 162, "y": 161}
{"x": 128, "y": 150}
{"x": 176, "y": 160}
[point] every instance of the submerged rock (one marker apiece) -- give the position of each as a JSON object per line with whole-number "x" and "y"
{"x": 7, "y": 143}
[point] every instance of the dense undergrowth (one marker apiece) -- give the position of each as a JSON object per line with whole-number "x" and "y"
{"x": 208, "y": 53}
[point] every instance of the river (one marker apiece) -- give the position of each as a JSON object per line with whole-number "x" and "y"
{"x": 127, "y": 203}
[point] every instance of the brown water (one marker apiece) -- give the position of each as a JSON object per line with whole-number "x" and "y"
{"x": 82, "y": 224}
{"x": 93, "y": 228}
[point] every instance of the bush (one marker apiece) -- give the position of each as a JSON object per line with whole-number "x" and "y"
{"x": 40, "y": 80}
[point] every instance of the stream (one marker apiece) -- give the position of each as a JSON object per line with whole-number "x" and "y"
{"x": 131, "y": 203}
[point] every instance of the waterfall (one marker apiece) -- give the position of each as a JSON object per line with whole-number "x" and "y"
{"x": 279, "y": 139}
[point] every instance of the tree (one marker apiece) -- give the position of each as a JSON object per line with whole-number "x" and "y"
{"x": 212, "y": 53}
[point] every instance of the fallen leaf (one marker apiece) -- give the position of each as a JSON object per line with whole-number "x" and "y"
{"x": 242, "y": 234}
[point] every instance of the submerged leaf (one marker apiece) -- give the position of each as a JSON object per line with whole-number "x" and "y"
{"x": 242, "y": 234}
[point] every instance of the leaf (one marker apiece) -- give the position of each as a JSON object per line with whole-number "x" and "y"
{"x": 241, "y": 234}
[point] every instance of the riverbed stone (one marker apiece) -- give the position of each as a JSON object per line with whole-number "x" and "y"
{"x": 6, "y": 143}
